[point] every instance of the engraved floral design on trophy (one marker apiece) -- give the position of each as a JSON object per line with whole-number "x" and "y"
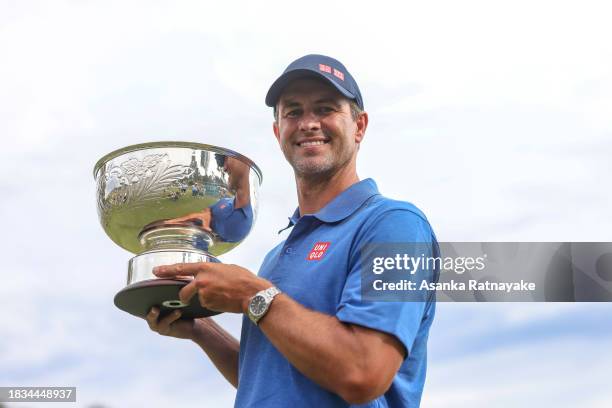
{"x": 133, "y": 181}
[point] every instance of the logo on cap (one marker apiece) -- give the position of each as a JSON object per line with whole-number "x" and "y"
{"x": 337, "y": 73}
{"x": 325, "y": 68}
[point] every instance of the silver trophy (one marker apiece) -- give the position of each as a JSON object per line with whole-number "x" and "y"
{"x": 173, "y": 202}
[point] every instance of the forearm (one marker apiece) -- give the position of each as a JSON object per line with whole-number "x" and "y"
{"x": 318, "y": 345}
{"x": 355, "y": 362}
{"x": 220, "y": 346}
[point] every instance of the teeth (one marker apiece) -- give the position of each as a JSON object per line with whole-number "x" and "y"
{"x": 318, "y": 142}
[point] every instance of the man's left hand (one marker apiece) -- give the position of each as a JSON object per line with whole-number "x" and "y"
{"x": 219, "y": 287}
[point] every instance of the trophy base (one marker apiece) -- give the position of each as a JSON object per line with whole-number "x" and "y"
{"x": 138, "y": 299}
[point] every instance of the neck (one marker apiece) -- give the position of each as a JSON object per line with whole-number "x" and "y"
{"x": 316, "y": 192}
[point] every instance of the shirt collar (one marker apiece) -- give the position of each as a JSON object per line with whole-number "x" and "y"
{"x": 343, "y": 205}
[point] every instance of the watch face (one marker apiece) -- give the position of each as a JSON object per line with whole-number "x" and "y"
{"x": 258, "y": 305}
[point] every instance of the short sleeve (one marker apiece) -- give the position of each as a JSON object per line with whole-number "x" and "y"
{"x": 401, "y": 319}
{"x": 231, "y": 224}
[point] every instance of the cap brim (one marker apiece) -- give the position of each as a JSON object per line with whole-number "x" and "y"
{"x": 277, "y": 87}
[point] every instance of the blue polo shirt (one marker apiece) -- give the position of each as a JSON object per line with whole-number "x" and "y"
{"x": 231, "y": 224}
{"x": 319, "y": 266}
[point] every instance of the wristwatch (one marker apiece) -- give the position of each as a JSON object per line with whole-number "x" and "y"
{"x": 260, "y": 303}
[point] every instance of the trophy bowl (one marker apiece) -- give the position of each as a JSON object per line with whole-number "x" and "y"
{"x": 173, "y": 202}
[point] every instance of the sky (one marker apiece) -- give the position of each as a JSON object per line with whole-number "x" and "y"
{"x": 494, "y": 118}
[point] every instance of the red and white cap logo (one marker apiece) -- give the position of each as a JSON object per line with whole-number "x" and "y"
{"x": 337, "y": 73}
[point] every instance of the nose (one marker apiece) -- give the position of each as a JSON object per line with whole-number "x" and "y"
{"x": 309, "y": 122}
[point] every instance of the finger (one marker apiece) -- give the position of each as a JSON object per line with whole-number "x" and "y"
{"x": 163, "y": 326}
{"x": 151, "y": 318}
{"x": 183, "y": 218}
{"x": 181, "y": 269}
{"x": 188, "y": 291}
{"x": 193, "y": 220}
{"x": 196, "y": 221}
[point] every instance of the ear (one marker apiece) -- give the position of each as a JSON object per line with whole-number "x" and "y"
{"x": 362, "y": 125}
{"x": 276, "y": 131}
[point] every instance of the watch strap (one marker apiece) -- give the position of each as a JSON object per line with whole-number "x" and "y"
{"x": 268, "y": 294}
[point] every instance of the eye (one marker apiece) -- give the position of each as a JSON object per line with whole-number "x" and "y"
{"x": 324, "y": 110}
{"x": 293, "y": 113}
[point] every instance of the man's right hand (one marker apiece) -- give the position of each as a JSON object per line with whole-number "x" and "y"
{"x": 171, "y": 325}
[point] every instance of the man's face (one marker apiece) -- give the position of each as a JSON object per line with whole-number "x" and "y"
{"x": 315, "y": 128}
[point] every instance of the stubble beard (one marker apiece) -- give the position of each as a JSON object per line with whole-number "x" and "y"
{"x": 313, "y": 167}
{"x": 319, "y": 168}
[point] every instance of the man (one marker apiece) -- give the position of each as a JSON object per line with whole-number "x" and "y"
{"x": 308, "y": 340}
{"x": 230, "y": 218}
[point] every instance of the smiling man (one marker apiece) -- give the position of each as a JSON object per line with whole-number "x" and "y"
{"x": 308, "y": 339}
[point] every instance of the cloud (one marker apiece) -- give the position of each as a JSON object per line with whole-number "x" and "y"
{"x": 494, "y": 119}
{"x": 525, "y": 374}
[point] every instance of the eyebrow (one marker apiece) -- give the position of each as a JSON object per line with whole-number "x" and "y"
{"x": 328, "y": 100}
{"x": 291, "y": 104}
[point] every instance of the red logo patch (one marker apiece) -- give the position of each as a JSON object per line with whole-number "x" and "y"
{"x": 325, "y": 68}
{"x": 318, "y": 250}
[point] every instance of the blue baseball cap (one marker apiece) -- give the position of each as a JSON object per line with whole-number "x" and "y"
{"x": 319, "y": 66}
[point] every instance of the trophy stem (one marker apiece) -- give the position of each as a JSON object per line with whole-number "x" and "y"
{"x": 140, "y": 267}
{"x": 145, "y": 290}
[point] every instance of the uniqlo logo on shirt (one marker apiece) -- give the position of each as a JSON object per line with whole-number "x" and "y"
{"x": 318, "y": 250}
